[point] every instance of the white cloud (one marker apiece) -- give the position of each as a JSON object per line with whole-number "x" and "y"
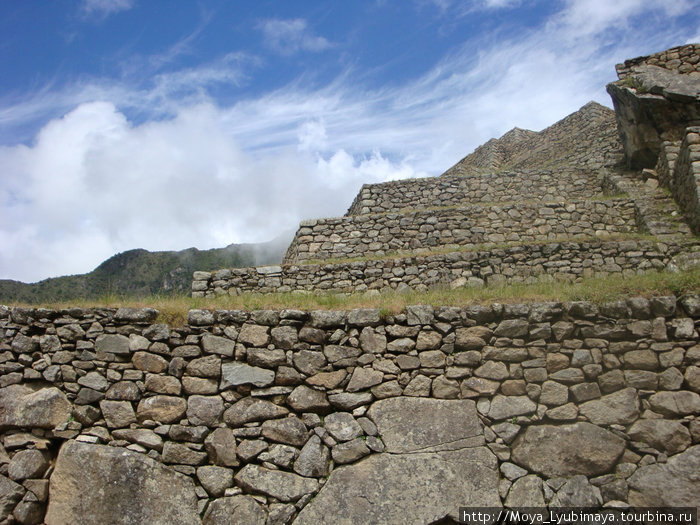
{"x": 290, "y": 36}
{"x": 198, "y": 174}
{"x": 94, "y": 184}
{"x": 104, "y": 8}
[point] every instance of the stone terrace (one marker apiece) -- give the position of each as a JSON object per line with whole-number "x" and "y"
{"x": 525, "y": 193}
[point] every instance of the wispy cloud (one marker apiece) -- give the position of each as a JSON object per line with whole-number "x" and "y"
{"x": 288, "y": 37}
{"x": 104, "y": 8}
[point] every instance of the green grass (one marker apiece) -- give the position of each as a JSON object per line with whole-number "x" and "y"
{"x": 173, "y": 310}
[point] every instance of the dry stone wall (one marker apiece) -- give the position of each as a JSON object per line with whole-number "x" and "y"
{"x": 525, "y": 185}
{"x": 584, "y": 140}
{"x": 684, "y": 181}
{"x": 567, "y": 260}
{"x": 681, "y": 59}
{"x": 291, "y": 416}
{"x": 372, "y": 235}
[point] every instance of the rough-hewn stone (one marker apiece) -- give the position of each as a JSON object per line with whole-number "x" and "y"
{"x": 94, "y": 484}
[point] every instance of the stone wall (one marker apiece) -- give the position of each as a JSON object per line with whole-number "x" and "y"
{"x": 666, "y": 164}
{"x": 585, "y": 140}
{"x": 525, "y": 185}
{"x": 372, "y": 235}
{"x": 682, "y": 59}
{"x": 685, "y": 181}
{"x": 567, "y": 260}
{"x": 261, "y": 414}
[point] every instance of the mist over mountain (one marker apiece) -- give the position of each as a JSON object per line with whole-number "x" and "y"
{"x": 140, "y": 273}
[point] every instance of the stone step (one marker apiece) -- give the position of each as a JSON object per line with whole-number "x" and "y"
{"x": 657, "y": 212}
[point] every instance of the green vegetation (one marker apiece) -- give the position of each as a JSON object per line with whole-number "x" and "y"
{"x": 140, "y": 273}
{"x": 173, "y": 310}
{"x": 633, "y": 83}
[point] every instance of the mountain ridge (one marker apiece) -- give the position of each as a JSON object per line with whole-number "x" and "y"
{"x": 141, "y": 273}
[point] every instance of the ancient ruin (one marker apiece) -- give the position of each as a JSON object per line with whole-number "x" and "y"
{"x": 288, "y": 416}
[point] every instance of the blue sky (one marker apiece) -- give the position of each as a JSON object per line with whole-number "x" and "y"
{"x": 163, "y": 125}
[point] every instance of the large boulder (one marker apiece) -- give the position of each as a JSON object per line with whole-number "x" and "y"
{"x": 388, "y": 488}
{"x": 653, "y": 104}
{"x": 96, "y": 484}
{"x": 567, "y": 450}
{"x": 24, "y": 406}
{"x": 675, "y": 483}
{"x": 410, "y": 424}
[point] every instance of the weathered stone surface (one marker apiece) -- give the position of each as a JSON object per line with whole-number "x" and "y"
{"x": 349, "y": 400}
{"x": 236, "y": 509}
{"x": 443, "y": 388}
{"x": 290, "y": 431}
{"x": 309, "y": 362}
{"x": 117, "y": 414}
{"x": 254, "y": 335}
{"x": 149, "y": 362}
{"x": 342, "y": 426}
{"x": 215, "y": 480}
{"x": 209, "y": 366}
{"x": 161, "y": 384}
{"x": 141, "y": 436}
{"x": 10, "y": 494}
{"x": 364, "y": 378}
{"x": 512, "y": 328}
{"x": 419, "y": 314}
{"x": 526, "y": 492}
{"x": 554, "y": 394}
{"x": 284, "y": 486}
{"x": 314, "y": 459}
{"x": 251, "y": 409}
{"x": 505, "y": 407}
{"x": 236, "y": 374}
{"x": 675, "y": 404}
{"x": 618, "y": 408}
{"x": 662, "y": 434}
{"x": 305, "y": 399}
{"x": 221, "y": 447}
{"x": 28, "y": 464}
{"x": 164, "y": 409}
{"x": 135, "y": 315}
{"x": 284, "y": 337}
{"x": 94, "y": 380}
{"x": 95, "y": 484}
{"x": 204, "y": 410}
{"x": 416, "y": 424}
{"x": 266, "y": 358}
{"x": 394, "y": 486}
{"x": 674, "y": 483}
{"x": 327, "y": 380}
{"x": 577, "y": 492}
{"x": 372, "y": 342}
{"x": 24, "y": 406}
{"x": 181, "y": 454}
{"x": 123, "y": 391}
{"x": 112, "y": 344}
{"x": 214, "y": 344}
{"x": 567, "y": 450}
{"x": 349, "y": 451}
